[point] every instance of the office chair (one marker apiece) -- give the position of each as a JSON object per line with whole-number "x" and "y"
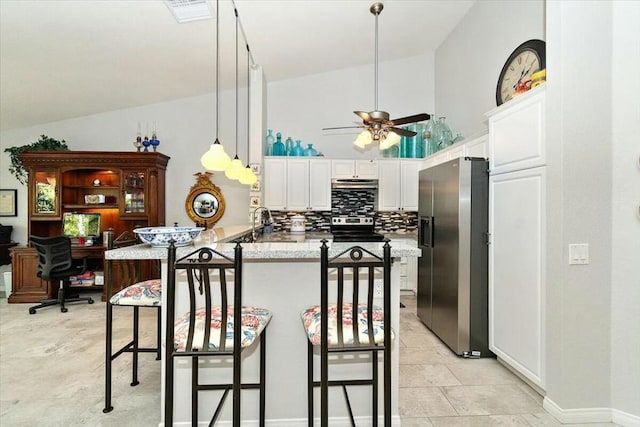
{"x": 55, "y": 263}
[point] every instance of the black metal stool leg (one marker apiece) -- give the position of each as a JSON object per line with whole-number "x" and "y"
{"x": 374, "y": 375}
{"x": 134, "y": 349}
{"x": 159, "y": 333}
{"x": 107, "y": 362}
{"x": 310, "y": 383}
{"x": 263, "y": 354}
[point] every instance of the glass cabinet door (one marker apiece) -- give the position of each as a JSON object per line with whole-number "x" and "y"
{"x": 133, "y": 193}
{"x": 45, "y": 191}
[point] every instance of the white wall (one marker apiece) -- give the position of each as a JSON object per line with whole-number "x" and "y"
{"x": 625, "y": 188}
{"x": 301, "y": 107}
{"x": 185, "y": 128}
{"x": 469, "y": 61}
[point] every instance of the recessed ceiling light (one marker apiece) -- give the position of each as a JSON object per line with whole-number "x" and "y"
{"x": 189, "y": 10}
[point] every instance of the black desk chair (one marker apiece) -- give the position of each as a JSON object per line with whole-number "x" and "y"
{"x": 55, "y": 263}
{"x": 212, "y": 327}
{"x": 359, "y": 327}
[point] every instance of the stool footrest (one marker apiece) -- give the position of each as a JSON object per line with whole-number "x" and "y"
{"x": 332, "y": 383}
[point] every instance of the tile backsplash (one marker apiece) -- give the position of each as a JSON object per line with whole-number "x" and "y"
{"x": 360, "y": 202}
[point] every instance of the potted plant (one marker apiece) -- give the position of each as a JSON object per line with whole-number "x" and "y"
{"x": 43, "y": 144}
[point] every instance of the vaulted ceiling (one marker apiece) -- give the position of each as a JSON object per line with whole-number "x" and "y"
{"x": 67, "y": 58}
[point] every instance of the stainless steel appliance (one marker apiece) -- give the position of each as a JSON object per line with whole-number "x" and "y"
{"x": 354, "y": 229}
{"x": 354, "y": 183}
{"x": 453, "y": 269}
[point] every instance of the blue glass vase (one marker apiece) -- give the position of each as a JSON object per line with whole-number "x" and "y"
{"x": 310, "y": 151}
{"x": 288, "y": 146}
{"x": 269, "y": 142}
{"x": 278, "y": 146}
{"x": 297, "y": 149}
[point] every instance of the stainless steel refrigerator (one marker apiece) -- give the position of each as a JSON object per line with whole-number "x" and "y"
{"x": 453, "y": 270}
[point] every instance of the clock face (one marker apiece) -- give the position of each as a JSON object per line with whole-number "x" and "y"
{"x": 519, "y": 71}
{"x": 527, "y": 59}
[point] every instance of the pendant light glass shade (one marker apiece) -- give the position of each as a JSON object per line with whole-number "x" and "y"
{"x": 363, "y": 139}
{"x": 389, "y": 141}
{"x": 215, "y": 159}
{"x": 235, "y": 169}
{"x": 248, "y": 177}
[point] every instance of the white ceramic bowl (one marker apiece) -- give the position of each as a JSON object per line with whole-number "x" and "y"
{"x": 160, "y": 236}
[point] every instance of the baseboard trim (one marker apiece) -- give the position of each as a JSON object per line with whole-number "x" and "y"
{"x": 297, "y": 422}
{"x": 590, "y": 415}
{"x": 624, "y": 418}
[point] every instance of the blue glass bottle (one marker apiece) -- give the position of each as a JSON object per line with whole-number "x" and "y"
{"x": 269, "y": 142}
{"x": 288, "y": 146}
{"x": 297, "y": 149}
{"x": 278, "y": 146}
{"x": 310, "y": 151}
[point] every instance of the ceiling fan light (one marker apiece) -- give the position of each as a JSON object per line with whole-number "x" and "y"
{"x": 235, "y": 169}
{"x": 248, "y": 177}
{"x": 389, "y": 141}
{"x": 363, "y": 139}
{"x": 215, "y": 159}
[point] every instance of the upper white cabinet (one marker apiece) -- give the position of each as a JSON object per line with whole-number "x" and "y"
{"x": 516, "y": 133}
{"x": 297, "y": 184}
{"x": 354, "y": 169}
{"x": 398, "y": 184}
{"x": 275, "y": 183}
{"x": 477, "y": 147}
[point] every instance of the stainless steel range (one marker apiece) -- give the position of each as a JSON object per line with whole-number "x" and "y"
{"x": 354, "y": 229}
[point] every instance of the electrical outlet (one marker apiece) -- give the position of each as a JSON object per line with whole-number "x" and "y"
{"x": 378, "y": 290}
{"x": 579, "y": 253}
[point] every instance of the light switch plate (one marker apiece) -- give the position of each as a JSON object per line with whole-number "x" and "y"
{"x": 579, "y": 253}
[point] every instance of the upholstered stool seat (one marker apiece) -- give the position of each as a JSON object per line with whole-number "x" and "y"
{"x": 254, "y": 320}
{"x": 311, "y": 319}
{"x": 147, "y": 294}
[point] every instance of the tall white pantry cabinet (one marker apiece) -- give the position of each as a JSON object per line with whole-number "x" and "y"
{"x": 517, "y": 228}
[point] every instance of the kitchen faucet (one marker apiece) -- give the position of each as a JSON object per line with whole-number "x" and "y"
{"x": 253, "y": 225}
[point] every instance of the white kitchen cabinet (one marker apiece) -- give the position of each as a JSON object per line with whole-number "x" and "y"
{"x": 516, "y": 133}
{"x": 275, "y": 183}
{"x": 297, "y": 184}
{"x": 516, "y": 270}
{"x": 354, "y": 169}
{"x": 477, "y": 147}
{"x": 517, "y": 229}
{"x": 398, "y": 184}
{"x": 409, "y": 275}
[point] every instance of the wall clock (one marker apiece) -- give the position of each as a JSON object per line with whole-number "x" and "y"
{"x": 525, "y": 60}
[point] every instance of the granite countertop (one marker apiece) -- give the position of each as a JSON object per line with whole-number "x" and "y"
{"x": 308, "y": 249}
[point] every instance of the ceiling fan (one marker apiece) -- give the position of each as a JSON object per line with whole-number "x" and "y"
{"x": 376, "y": 124}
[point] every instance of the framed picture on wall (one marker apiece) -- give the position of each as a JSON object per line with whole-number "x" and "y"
{"x": 8, "y": 202}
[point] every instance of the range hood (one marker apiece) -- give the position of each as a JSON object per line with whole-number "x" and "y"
{"x": 354, "y": 183}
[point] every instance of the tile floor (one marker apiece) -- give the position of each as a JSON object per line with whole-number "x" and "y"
{"x": 40, "y": 387}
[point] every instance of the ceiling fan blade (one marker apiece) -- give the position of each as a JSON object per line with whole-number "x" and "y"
{"x": 403, "y": 132}
{"x": 410, "y": 119}
{"x": 364, "y": 116}
{"x": 343, "y": 127}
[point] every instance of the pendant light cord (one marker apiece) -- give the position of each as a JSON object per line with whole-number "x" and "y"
{"x": 217, "y": 65}
{"x": 248, "y": 99}
{"x": 237, "y": 109}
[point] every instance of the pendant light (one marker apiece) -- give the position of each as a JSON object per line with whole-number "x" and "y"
{"x": 235, "y": 169}
{"x": 248, "y": 177}
{"x": 216, "y": 159}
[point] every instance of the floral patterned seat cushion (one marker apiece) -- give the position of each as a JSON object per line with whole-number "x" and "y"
{"x": 254, "y": 320}
{"x": 147, "y": 293}
{"x": 311, "y": 322}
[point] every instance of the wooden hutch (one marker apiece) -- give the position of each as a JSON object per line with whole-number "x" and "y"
{"x": 127, "y": 189}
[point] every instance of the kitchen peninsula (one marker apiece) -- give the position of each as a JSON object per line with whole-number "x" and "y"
{"x": 285, "y": 278}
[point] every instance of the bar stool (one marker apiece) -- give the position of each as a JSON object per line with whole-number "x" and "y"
{"x": 133, "y": 293}
{"x": 359, "y": 327}
{"x": 209, "y": 330}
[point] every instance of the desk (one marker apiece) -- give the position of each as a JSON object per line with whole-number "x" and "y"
{"x": 285, "y": 278}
